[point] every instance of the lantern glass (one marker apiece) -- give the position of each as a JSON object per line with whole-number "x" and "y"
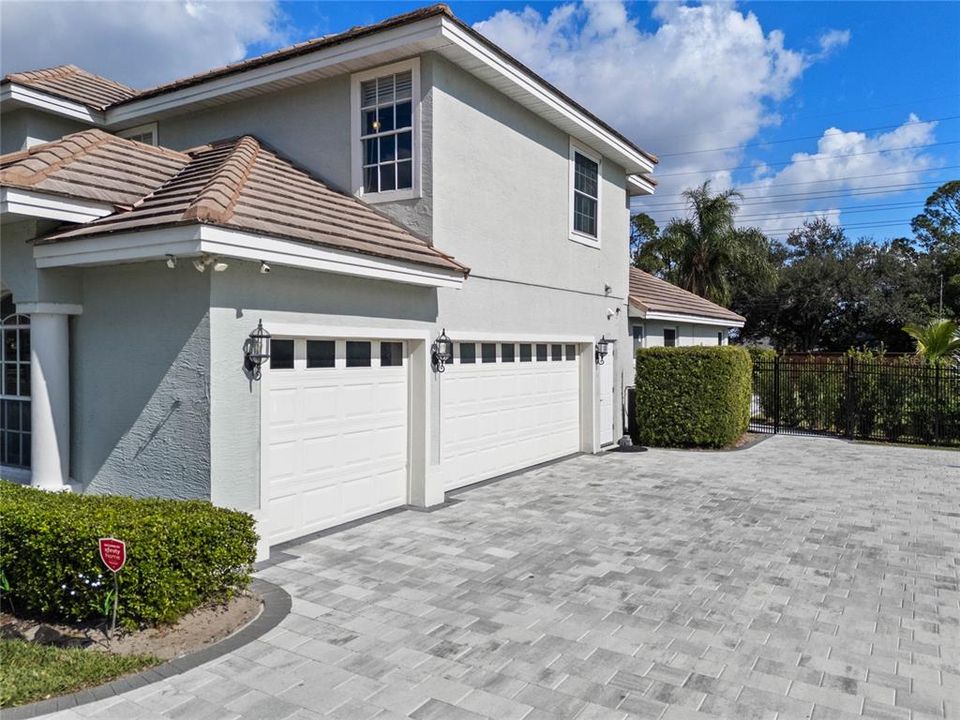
{"x": 445, "y": 347}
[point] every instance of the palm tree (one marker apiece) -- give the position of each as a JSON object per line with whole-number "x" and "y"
{"x": 702, "y": 252}
{"x": 938, "y": 342}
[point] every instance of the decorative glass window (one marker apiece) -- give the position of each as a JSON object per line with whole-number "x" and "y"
{"x": 358, "y": 353}
{"x": 585, "y": 193}
{"x": 468, "y": 353}
{"x": 386, "y": 132}
{"x": 391, "y": 354}
{"x": 14, "y": 388}
{"x": 321, "y": 354}
{"x": 281, "y": 354}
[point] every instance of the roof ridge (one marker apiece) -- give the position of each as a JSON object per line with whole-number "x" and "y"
{"x": 24, "y": 175}
{"x": 227, "y": 181}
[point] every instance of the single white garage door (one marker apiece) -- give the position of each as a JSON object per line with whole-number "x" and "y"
{"x": 506, "y": 406}
{"x": 334, "y": 432}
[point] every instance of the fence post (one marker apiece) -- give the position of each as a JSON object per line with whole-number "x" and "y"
{"x": 776, "y": 394}
{"x": 850, "y": 404}
{"x": 937, "y": 405}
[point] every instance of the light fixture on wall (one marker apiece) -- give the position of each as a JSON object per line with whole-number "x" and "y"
{"x": 601, "y": 350}
{"x": 442, "y": 351}
{"x": 256, "y": 350}
{"x": 205, "y": 261}
{"x": 171, "y": 261}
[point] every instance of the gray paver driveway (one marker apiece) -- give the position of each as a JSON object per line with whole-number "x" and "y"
{"x": 799, "y": 578}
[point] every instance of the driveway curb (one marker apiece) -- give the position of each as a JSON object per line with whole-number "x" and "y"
{"x": 276, "y": 606}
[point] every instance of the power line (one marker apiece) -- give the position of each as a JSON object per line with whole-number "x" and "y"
{"x": 801, "y": 197}
{"x": 805, "y": 137}
{"x": 812, "y": 159}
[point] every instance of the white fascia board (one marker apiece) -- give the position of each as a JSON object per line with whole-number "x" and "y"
{"x": 638, "y": 185}
{"x": 314, "y": 329}
{"x": 15, "y": 93}
{"x": 613, "y": 146}
{"x": 31, "y": 203}
{"x": 250, "y": 246}
{"x": 193, "y": 240}
{"x": 352, "y": 51}
{"x": 694, "y": 319}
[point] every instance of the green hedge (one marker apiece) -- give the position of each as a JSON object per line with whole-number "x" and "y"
{"x": 692, "y": 396}
{"x": 180, "y": 554}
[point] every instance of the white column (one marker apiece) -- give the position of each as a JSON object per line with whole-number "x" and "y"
{"x": 50, "y": 399}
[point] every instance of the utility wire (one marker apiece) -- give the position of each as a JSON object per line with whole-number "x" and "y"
{"x": 805, "y": 137}
{"x": 811, "y": 159}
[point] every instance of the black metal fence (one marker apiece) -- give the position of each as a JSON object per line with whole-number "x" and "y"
{"x": 889, "y": 399}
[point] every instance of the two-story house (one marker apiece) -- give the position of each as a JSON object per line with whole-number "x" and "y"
{"x": 364, "y": 196}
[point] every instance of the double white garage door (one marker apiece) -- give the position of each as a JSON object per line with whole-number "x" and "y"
{"x": 335, "y": 432}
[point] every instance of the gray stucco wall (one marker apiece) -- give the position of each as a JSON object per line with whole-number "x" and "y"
{"x": 19, "y": 125}
{"x": 501, "y": 206}
{"x": 140, "y": 382}
{"x": 19, "y": 273}
{"x": 239, "y": 298}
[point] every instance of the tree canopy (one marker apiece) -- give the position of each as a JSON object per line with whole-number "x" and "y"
{"x": 818, "y": 289}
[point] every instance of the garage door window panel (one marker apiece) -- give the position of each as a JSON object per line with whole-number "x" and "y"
{"x": 281, "y": 354}
{"x": 358, "y": 353}
{"x": 321, "y": 353}
{"x": 541, "y": 352}
{"x": 468, "y": 353}
{"x": 526, "y": 352}
{"x": 391, "y": 354}
{"x": 507, "y": 352}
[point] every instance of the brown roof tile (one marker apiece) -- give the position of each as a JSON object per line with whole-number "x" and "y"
{"x": 73, "y": 83}
{"x": 652, "y": 294}
{"x": 242, "y": 185}
{"x": 92, "y": 165}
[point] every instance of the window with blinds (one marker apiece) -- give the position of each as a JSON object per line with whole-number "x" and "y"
{"x": 386, "y": 132}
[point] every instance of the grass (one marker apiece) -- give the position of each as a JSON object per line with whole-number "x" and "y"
{"x": 30, "y": 672}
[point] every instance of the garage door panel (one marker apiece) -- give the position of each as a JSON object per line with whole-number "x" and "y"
{"x": 335, "y": 442}
{"x": 503, "y": 416}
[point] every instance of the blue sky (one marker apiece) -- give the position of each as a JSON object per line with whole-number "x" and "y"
{"x": 742, "y": 94}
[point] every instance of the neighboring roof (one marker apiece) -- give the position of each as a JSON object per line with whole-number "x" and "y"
{"x": 241, "y": 185}
{"x": 653, "y": 295}
{"x": 73, "y": 83}
{"x": 92, "y": 165}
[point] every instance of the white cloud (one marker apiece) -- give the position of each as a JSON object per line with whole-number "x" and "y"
{"x": 843, "y": 161}
{"x": 833, "y": 40}
{"x": 137, "y": 43}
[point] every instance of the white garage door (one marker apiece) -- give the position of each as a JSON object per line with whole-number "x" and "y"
{"x": 334, "y": 432}
{"x": 506, "y": 406}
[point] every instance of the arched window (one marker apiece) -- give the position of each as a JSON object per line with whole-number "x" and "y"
{"x": 14, "y": 387}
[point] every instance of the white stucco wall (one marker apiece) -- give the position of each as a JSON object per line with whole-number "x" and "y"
{"x": 688, "y": 334}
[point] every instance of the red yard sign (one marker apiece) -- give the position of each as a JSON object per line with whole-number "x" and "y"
{"x": 113, "y": 552}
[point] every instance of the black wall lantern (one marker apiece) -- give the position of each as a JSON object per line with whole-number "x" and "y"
{"x": 256, "y": 350}
{"x": 602, "y": 348}
{"x": 442, "y": 351}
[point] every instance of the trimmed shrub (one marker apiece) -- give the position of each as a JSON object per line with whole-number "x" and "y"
{"x": 180, "y": 554}
{"x": 692, "y": 396}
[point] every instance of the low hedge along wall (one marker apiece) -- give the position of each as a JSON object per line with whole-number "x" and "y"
{"x": 180, "y": 554}
{"x": 692, "y": 396}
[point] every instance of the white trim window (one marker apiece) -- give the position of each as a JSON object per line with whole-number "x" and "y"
{"x": 386, "y": 139}
{"x": 14, "y": 388}
{"x": 585, "y": 182}
{"x": 146, "y": 134}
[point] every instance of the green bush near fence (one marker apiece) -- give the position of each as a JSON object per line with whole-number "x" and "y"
{"x": 889, "y": 398}
{"x": 180, "y": 554}
{"x": 692, "y": 396}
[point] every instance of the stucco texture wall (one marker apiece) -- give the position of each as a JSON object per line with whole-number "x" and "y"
{"x": 20, "y": 275}
{"x": 140, "y": 382}
{"x": 25, "y": 124}
{"x": 239, "y": 298}
{"x": 687, "y": 333}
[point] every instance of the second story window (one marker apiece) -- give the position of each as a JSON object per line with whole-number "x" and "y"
{"x": 385, "y": 131}
{"x": 584, "y": 195}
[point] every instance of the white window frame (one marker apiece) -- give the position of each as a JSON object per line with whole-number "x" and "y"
{"x": 575, "y": 235}
{"x": 151, "y": 128}
{"x": 21, "y": 322}
{"x": 356, "y": 145}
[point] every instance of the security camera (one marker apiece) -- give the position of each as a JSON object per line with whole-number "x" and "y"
{"x": 200, "y": 265}
{"x": 264, "y": 268}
